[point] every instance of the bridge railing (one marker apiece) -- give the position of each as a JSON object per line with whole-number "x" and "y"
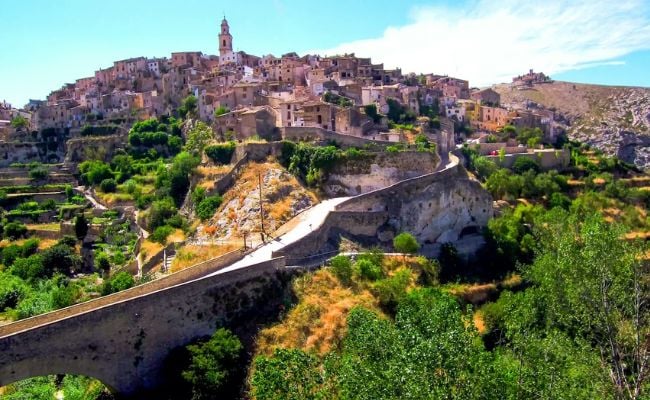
{"x": 194, "y": 272}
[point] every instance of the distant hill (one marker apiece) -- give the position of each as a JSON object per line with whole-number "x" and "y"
{"x": 614, "y": 119}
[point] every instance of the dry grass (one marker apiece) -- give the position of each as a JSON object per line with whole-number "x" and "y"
{"x": 53, "y": 227}
{"x": 574, "y": 182}
{"x": 149, "y": 249}
{"x": 637, "y": 235}
{"x": 193, "y": 254}
{"x": 479, "y": 323}
{"x": 42, "y": 243}
{"x": 279, "y": 195}
{"x": 474, "y": 294}
{"x": 319, "y": 321}
{"x": 206, "y": 171}
{"x": 176, "y": 237}
{"x": 111, "y": 199}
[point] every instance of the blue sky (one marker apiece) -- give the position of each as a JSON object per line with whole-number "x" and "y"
{"x": 47, "y": 43}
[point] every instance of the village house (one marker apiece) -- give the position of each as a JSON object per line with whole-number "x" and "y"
{"x": 486, "y": 97}
{"x": 248, "y": 122}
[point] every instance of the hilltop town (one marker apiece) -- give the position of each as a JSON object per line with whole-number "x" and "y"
{"x": 254, "y": 95}
{"x": 297, "y": 227}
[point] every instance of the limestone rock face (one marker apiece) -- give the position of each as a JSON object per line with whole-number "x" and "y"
{"x": 377, "y": 171}
{"x": 437, "y": 208}
{"x": 613, "y": 119}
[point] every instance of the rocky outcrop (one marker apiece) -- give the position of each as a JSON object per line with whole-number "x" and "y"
{"x": 613, "y": 119}
{"x": 377, "y": 170}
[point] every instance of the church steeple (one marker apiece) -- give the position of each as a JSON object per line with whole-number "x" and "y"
{"x": 225, "y": 38}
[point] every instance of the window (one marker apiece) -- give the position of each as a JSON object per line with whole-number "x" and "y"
{"x": 320, "y": 120}
{"x": 224, "y": 43}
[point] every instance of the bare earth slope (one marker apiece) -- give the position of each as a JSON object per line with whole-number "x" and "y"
{"x": 614, "y": 119}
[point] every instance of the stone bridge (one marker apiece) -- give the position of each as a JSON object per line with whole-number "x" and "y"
{"x": 124, "y": 339}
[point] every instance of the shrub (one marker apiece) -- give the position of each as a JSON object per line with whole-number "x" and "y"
{"x": 14, "y": 230}
{"x": 212, "y": 364}
{"x": 108, "y": 185}
{"x": 118, "y": 282}
{"x": 80, "y": 226}
{"x": 160, "y": 212}
{"x": 60, "y": 258}
{"x": 523, "y": 164}
{"x": 102, "y": 262}
{"x": 342, "y": 267}
{"x": 391, "y": 290}
{"x": 366, "y": 269}
{"x": 406, "y": 243}
{"x": 161, "y": 233}
{"x": 12, "y": 290}
{"x": 206, "y": 208}
{"x": 221, "y": 153}
{"x": 38, "y": 173}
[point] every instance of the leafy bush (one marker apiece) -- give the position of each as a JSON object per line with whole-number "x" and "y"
{"x": 80, "y": 226}
{"x": 212, "y": 364}
{"x": 94, "y": 172}
{"x": 29, "y": 268}
{"x": 14, "y": 230}
{"x": 38, "y": 173}
{"x": 523, "y": 164}
{"x": 221, "y": 153}
{"x": 289, "y": 374}
{"x": 12, "y": 290}
{"x": 102, "y": 261}
{"x": 118, "y": 282}
{"x": 108, "y": 185}
{"x": 342, "y": 267}
{"x": 366, "y": 269}
{"x": 206, "y": 208}
{"x": 405, "y": 243}
{"x": 161, "y": 233}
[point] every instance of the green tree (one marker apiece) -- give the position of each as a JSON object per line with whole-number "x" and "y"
{"x": 406, "y": 243}
{"x": 206, "y": 208}
{"x": 19, "y": 122}
{"x": 221, "y": 111}
{"x": 197, "y": 138}
{"x": 221, "y": 153}
{"x": 80, "y": 226}
{"x": 523, "y": 164}
{"x": 593, "y": 284}
{"x": 60, "y": 258}
{"x": 118, "y": 282}
{"x": 342, "y": 267}
{"x": 371, "y": 112}
{"x": 15, "y": 230}
{"x": 212, "y": 364}
{"x": 108, "y": 185}
{"x": 290, "y": 374}
{"x": 188, "y": 107}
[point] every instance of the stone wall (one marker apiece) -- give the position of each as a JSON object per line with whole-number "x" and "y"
{"x": 377, "y": 170}
{"x": 436, "y": 208}
{"x": 547, "y": 159}
{"x": 25, "y": 152}
{"x": 305, "y": 134}
{"x": 126, "y": 344}
{"x": 95, "y": 148}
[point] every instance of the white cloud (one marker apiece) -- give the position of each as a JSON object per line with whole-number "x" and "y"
{"x": 489, "y": 43}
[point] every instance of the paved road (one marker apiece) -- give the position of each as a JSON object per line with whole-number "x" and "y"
{"x": 307, "y": 221}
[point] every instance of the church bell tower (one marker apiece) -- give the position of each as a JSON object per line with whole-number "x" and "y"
{"x": 225, "y": 38}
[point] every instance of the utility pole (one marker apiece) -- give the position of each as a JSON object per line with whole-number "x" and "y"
{"x": 261, "y": 208}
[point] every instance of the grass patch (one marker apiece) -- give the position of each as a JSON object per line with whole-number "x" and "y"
{"x": 190, "y": 255}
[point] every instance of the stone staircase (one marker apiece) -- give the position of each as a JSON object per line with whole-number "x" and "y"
{"x": 168, "y": 258}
